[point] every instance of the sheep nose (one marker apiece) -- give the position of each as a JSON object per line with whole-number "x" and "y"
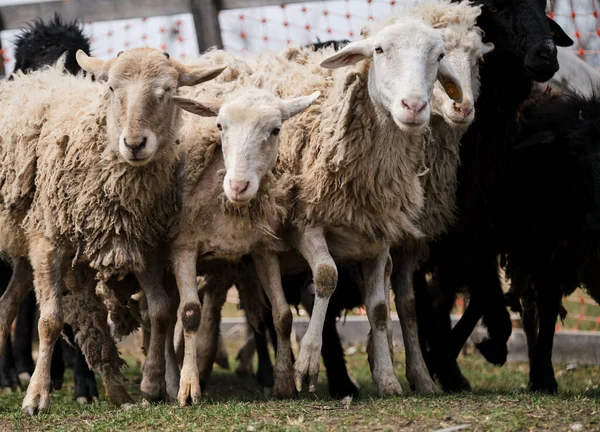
{"x": 238, "y": 186}
{"x": 547, "y": 51}
{"x": 135, "y": 145}
{"x": 463, "y": 110}
{"x": 414, "y": 105}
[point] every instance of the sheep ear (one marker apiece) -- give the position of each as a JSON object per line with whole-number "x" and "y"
{"x": 193, "y": 75}
{"x": 487, "y": 48}
{"x": 203, "y": 109}
{"x": 95, "y": 66}
{"x": 295, "y": 106}
{"x": 350, "y": 54}
{"x": 449, "y": 81}
{"x": 558, "y": 34}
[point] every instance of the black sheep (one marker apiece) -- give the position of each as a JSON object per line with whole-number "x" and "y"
{"x": 466, "y": 257}
{"x": 42, "y": 44}
{"x": 553, "y": 216}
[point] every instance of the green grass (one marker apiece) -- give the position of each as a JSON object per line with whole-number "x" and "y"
{"x": 499, "y": 402}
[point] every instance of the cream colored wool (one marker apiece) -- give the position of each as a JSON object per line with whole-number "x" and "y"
{"x": 84, "y": 195}
{"x": 346, "y": 175}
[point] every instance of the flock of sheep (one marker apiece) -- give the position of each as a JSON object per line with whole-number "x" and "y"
{"x": 409, "y": 160}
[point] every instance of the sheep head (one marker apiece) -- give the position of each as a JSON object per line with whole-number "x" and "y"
{"x": 249, "y": 123}
{"x": 407, "y": 57}
{"x": 464, "y": 51}
{"x": 521, "y": 28}
{"x": 142, "y": 118}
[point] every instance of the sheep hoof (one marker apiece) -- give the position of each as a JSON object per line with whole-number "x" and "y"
{"x": 81, "y": 400}
{"x": 422, "y": 384}
{"x": 284, "y": 384}
{"x": 307, "y": 366}
{"x": 117, "y": 394}
{"x": 37, "y": 400}
{"x": 155, "y": 391}
{"x": 342, "y": 387}
{"x": 389, "y": 386}
{"x": 495, "y": 353}
{"x": 189, "y": 387}
{"x": 541, "y": 380}
{"x": 25, "y": 377}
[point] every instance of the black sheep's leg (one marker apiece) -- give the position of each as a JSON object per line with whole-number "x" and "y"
{"x": 541, "y": 372}
{"x": 441, "y": 361}
{"x": 338, "y": 379}
{"x": 57, "y": 366}
{"x": 8, "y": 374}
{"x": 264, "y": 374}
{"x": 24, "y": 327}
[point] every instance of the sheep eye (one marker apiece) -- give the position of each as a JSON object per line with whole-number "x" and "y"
{"x": 442, "y": 55}
{"x": 379, "y": 50}
{"x": 111, "y": 89}
{"x": 219, "y": 126}
{"x": 275, "y": 131}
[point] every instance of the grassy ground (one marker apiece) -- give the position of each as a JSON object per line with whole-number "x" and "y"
{"x": 500, "y": 402}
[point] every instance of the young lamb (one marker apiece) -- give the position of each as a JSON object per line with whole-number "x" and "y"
{"x": 466, "y": 256}
{"x": 91, "y": 181}
{"x": 232, "y": 205}
{"x": 42, "y": 44}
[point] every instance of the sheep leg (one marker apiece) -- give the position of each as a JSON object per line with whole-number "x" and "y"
{"x": 312, "y": 244}
{"x": 57, "y": 367}
{"x": 264, "y": 373}
{"x": 172, "y": 376}
{"x": 8, "y": 375}
{"x": 172, "y": 369}
{"x": 48, "y": 263}
{"x": 541, "y": 372}
{"x": 246, "y": 353}
{"x": 208, "y": 343}
{"x": 338, "y": 380}
{"x": 20, "y": 284}
{"x": 374, "y": 271}
{"x": 153, "y": 385}
{"x": 184, "y": 266}
{"x": 22, "y": 346}
{"x": 222, "y": 359}
{"x": 404, "y": 297}
{"x": 269, "y": 274}
{"x": 529, "y": 318}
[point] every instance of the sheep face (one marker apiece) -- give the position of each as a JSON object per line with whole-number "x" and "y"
{"x": 407, "y": 58}
{"x": 142, "y": 118}
{"x": 249, "y": 123}
{"x": 522, "y": 28}
{"x": 464, "y": 51}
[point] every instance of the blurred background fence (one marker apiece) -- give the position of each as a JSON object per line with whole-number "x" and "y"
{"x": 185, "y": 28}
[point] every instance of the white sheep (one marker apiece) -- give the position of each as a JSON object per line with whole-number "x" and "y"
{"x": 88, "y": 177}
{"x": 575, "y": 74}
{"x": 223, "y": 218}
{"x": 449, "y": 122}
